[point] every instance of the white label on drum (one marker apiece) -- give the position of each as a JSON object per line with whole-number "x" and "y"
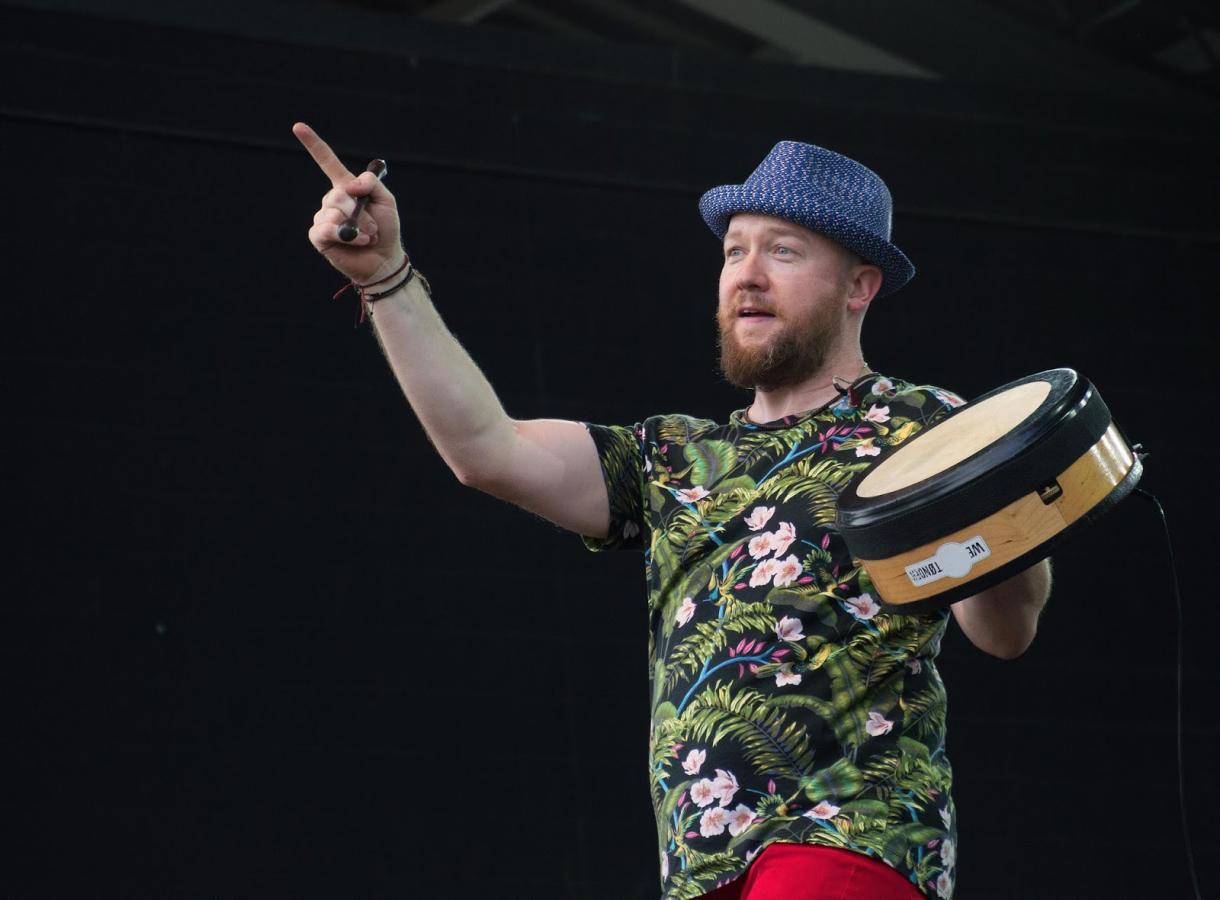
{"x": 952, "y": 560}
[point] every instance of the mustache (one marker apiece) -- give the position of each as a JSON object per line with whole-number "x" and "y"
{"x": 751, "y": 301}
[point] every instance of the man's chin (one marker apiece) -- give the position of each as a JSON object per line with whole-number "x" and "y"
{"x": 760, "y": 369}
{"x": 751, "y": 377}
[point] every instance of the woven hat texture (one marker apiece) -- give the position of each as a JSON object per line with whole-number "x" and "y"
{"x": 824, "y": 191}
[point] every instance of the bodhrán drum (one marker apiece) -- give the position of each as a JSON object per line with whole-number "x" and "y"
{"x": 987, "y": 491}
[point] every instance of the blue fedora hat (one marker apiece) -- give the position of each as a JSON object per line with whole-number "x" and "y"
{"x": 824, "y": 191}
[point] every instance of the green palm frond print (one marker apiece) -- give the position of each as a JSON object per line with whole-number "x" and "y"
{"x": 787, "y": 705}
{"x": 773, "y": 744}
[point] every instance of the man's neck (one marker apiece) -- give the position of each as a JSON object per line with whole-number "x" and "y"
{"x": 815, "y": 391}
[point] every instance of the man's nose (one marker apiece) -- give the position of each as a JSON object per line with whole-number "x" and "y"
{"x": 751, "y": 274}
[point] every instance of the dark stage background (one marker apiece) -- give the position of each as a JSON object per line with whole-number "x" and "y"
{"x": 258, "y": 642}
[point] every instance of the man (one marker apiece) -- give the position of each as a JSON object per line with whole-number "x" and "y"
{"x": 797, "y": 734}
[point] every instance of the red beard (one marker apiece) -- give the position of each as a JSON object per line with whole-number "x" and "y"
{"x": 796, "y": 349}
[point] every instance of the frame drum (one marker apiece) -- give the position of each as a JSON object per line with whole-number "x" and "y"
{"x": 987, "y": 491}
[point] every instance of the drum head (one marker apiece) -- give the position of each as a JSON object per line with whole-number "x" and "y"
{"x": 956, "y": 439}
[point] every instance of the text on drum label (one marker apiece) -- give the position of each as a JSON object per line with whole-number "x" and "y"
{"x": 951, "y": 560}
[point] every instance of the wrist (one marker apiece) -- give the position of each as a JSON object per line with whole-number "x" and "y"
{"x": 394, "y": 265}
{"x": 398, "y": 284}
{"x": 388, "y": 278}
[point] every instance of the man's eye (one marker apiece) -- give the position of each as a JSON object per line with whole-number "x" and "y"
{"x": 733, "y": 251}
{"x": 783, "y": 251}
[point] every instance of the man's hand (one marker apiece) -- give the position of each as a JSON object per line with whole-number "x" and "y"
{"x": 376, "y": 251}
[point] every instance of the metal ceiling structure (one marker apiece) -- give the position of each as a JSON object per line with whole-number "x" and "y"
{"x": 960, "y": 40}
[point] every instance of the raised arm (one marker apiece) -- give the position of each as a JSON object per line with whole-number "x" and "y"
{"x": 547, "y": 466}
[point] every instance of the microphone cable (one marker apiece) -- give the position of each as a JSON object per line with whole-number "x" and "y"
{"x": 1177, "y": 596}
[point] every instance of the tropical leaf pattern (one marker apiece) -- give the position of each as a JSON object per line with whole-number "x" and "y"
{"x": 786, "y": 705}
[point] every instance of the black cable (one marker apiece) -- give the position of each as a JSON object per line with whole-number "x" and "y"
{"x": 1177, "y": 596}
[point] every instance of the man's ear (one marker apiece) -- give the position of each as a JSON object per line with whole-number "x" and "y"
{"x": 864, "y": 281}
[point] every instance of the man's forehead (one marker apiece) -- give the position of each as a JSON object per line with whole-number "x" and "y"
{"x": 742, "y": 223}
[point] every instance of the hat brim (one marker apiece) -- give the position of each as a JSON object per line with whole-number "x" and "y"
{"x": 720, "y": 204}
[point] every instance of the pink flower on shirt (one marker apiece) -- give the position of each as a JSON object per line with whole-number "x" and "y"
{"x": 867, "y": 448}
{"x": 713, "y": 822}
{"x": 703, "y": 792}
{"x": 693, "y": 494}
{"x": 785, "y": 675}
{"x": 787, "y": 571}
{"x": 863, "y": 607}
{"x": 725, "y": 786}
{"x": 762, "y": 545}
{"x": 948, "y": 399}
{"x": 694, "y": 762}
{"x": 789, "y": 629}
{"x": 759, "y": 517}
{"x": 762, "y": 572}
{"x": 948, "y": 854}
{"x": 740, "y": 819}
{"x": 685, "y": 611}
{"x": 878, "y": 724}
{"x": 824, "y": 810}
{"x": 877, "y": 414}
{"x": 782, "y": 537}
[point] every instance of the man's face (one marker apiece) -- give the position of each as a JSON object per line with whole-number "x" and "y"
{"x": 783, "y": 293}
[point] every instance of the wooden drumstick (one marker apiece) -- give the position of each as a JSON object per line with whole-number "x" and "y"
{"x": 349, "y": 229}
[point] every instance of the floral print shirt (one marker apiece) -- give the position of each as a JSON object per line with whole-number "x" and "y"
{"x": 786, "y": 705}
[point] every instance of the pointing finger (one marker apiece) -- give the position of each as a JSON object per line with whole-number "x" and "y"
{"x": 322, "y": 154}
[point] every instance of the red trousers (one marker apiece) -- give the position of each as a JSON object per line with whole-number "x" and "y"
{"x": 805, "y": 872}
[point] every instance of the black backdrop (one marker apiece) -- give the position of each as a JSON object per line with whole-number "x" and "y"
{"x": 257, "y": 640}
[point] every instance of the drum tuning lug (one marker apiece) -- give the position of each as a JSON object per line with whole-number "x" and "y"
{"x": 1140, "y": 453}
{"x": 1049, "y": 493}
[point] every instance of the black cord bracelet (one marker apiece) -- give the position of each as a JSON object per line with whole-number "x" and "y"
{"x": 366, "y": 300}
{"x": 373, "y": 298}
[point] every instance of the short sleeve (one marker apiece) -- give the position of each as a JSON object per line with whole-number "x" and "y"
{"x": 949, "y": 401}
{"x": 620, "y": 452}
{"x": 923, "y": 403}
